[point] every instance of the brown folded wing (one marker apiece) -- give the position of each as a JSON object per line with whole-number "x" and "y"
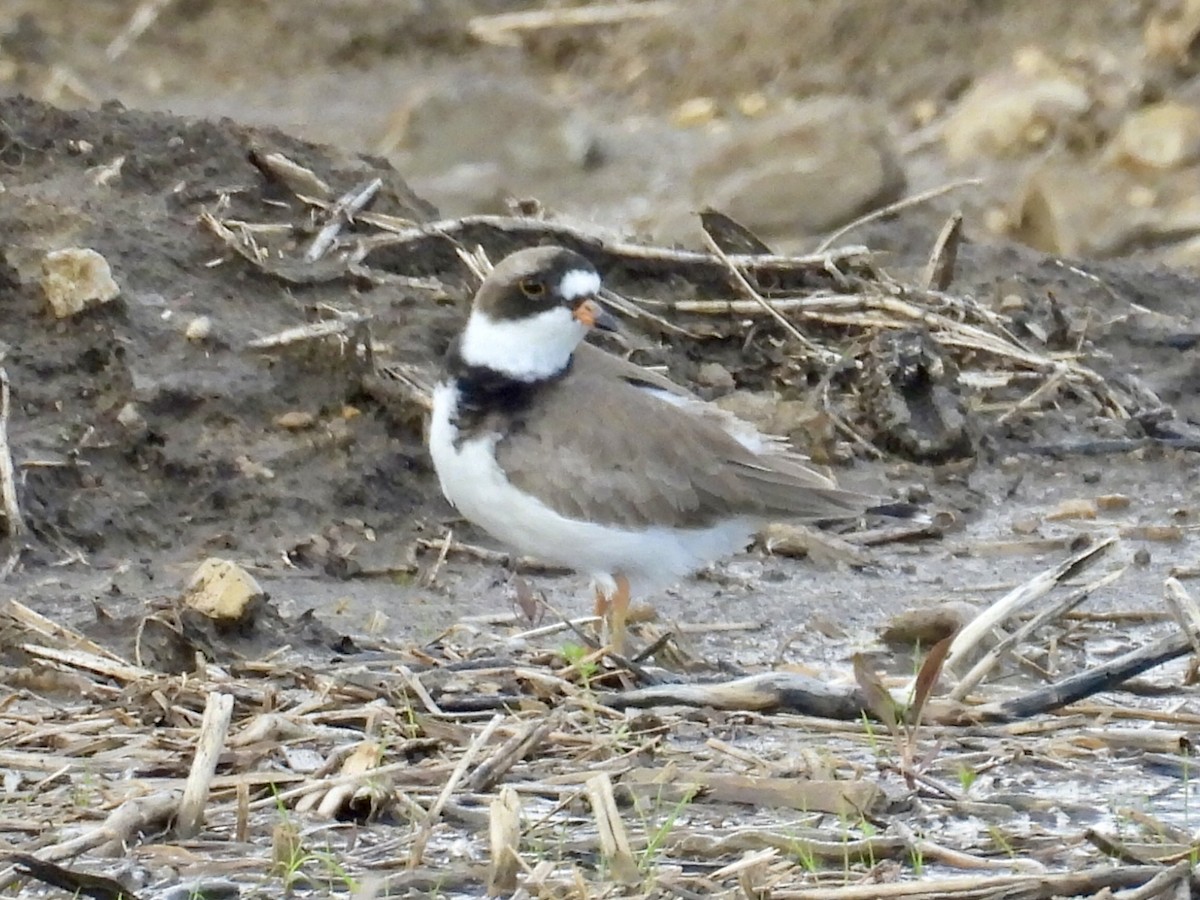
{"x": 596, "y": 447}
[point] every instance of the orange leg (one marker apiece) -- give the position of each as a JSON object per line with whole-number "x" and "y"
{"x": 601, "y": 608}
{"x": 618, "y": 614}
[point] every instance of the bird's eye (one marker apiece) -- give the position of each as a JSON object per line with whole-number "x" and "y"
{"x": 532, "y": 288}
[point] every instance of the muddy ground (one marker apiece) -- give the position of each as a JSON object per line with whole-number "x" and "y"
{"x": 123, "y": 509}
{"x": 143, "y": 445}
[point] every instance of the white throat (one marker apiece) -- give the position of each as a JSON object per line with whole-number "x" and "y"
{"x": 528, "y": 349}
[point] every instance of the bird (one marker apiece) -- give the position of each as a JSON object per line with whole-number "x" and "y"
{"x": 582, "y": 459}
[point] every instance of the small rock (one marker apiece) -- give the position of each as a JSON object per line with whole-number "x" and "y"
{"x": 199, "y": 328}
{"x": 1072, "y": 209}
{"x": 923, "y": 111}
{"x": 794, "y": 540}
{"x": 130, "y": 419}
{"x": 1160, "y": 136}
{"x": 76, "y": 278}
{"x": 296, "y": 420}
{"x": 693, "y": 112}
{"x": 1142, "y": 196}
{"x": 1078, "y": 210}
{"x": 928, "y": 625}
{"x": 803, "y": 171}
{"x": 221, "y": 589}
{"x": 1171, "y": 31}
{"x": 946, "y": 521}
{"x": 997, "y": 220}
{"x": 1076, "y": 508}
{"x": 752, "y": 105}
{"x": 251, "y": 469}
{"x": 796, "y": 417}
{"x": 1010, "y": 110}
{"x": 1161, "y": 533}
{"x": 757, "y": 408}
{"x": 1181, "y": 212}
{"x": 715, "y": 375}
{"x": 914, "y": 493}
{"x": 1184, "y": 255}
{"x": 340, "y": 433}
{"x": 1141, "y": 557}
{"x": 474, "y": 123}
{"x": 302, "y": 760}
{"x": 827, "y": 627}
{"x": 1026, "y": 525}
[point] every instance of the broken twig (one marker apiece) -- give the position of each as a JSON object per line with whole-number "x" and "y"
{"x": 8, "y": 485}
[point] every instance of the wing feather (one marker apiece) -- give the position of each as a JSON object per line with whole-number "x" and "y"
{"x": 597, "y": 447}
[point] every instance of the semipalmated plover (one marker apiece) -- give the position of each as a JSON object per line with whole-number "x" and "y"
{"x": 574, "y": 456}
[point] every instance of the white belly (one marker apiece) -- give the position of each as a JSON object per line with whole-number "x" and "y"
{"x": 651, "y": 558}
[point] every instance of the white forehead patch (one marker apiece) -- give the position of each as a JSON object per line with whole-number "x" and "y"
{"x": 579, "y": 283}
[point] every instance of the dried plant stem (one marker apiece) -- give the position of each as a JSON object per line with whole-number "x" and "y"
{"x": 417, "y": 850}
{"x": 340, "y": 213}
{"x": 504, "y": 833}
{"x": 218, "y": 712}
{"x": 1091, "y": 681}
{"x": 532, "y": 230}
{"x": 939, "y": 271}
{"x": 898, "y": 206}
{"x": 15, "y": 522}
{"x": 1184, "y": 609}
{"x": 1027, "y": 886}
{"x": 993, "y": 657}
{"x": 115, "y": 833}
{"x": 614, "y": 841}
{"x": 1017, "y": 599}
{"x": 748, "y": 289}
{"x": 143, "y": 17}
{"x": 506, "y": 28}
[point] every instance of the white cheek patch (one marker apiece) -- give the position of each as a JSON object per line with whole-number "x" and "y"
{"x": 579, "y": 283}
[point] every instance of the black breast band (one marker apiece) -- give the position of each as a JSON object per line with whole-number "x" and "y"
{"x": 483, "y": 391}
